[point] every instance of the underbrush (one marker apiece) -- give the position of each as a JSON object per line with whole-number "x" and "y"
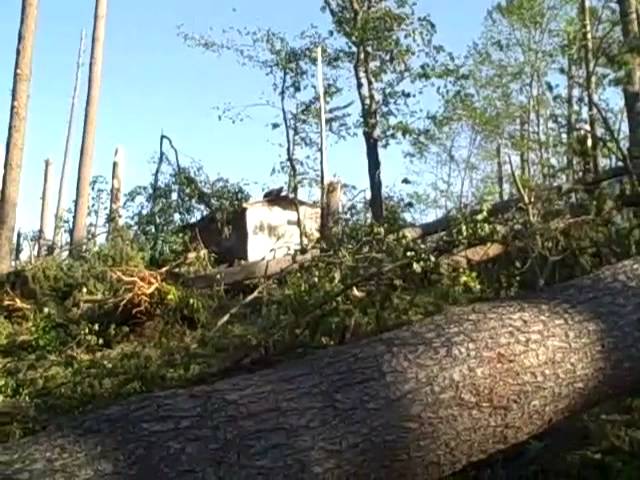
{"x": 78, "y": 333}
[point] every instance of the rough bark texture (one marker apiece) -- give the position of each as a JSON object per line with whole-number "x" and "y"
{"x": 631, "y": 87}
{"x": 17, "y": 127}
{"x": 419, "y": 402}
{"x": 44, "y": 209}
{"x": 57, "y": 229}
{"x": 79, "y": 231}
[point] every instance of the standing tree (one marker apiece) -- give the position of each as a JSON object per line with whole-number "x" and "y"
{"x": 57, "y": 229}
{"x": 388, "y": 47}
{"x": 631, "y": 86}
{"x": 17, "y": 127}
{"x": 88, "y": 137}
{"x": 590, "y": 86}
{"x": 290, "y": 65}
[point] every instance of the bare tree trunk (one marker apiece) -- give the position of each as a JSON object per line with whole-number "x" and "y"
{"x": 590, "y": 85}
{"x": 376, "y": 202}
{"x": 17, "y": 253}
{"x": 88, "y": 136}
{"x": 419, "y": 402}
{"x": 2, "y": 166}
{"x": 16, "y": 134}
{"x": 525, "y": 167}
{"x": 570, "y": 127}
{"x": 324, "y": 227}
{"x": 333, "y": 205}
{"x": 93, "y": 235}
{"x": 500, "y": 172}
{"x": 116, "y": 192}
{"x": 44, "y": 209}
{"x": 57, "y": 228}
{"x": 631, "y": 88}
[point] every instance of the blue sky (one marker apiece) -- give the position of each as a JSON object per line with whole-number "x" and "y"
{"x": 153, "y": 82}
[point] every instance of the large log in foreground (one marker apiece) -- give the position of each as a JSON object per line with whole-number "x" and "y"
{"x": 419, "y": 402}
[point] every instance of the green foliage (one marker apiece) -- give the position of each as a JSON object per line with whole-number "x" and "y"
{"x": 392, "y": 46}
{"x": 290, "y": 65}
{"x": 156, "y": 211}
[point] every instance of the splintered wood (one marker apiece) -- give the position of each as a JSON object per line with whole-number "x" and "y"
{"x": 141, "y": 285}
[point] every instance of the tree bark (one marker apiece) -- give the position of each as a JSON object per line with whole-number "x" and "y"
{"x": 324, "y": 179}
{"x": 590, "y": 86}
{"x": 419, "y": 402}
{"x": 79, "y": 231}
{"x": 57, "y": 229}
{"x": 525, "y": 166}
{"x": 17, "y": 126}
{"x": 44, "y": 209}
{"x": 631, "y": 88}
{"x": 570, "y": 127}
{"x": 375, "y": 177}
{"x": 116, "y": 192}
{"x": 500, "y": 172}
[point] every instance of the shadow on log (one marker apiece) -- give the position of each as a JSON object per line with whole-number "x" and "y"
{"x": 418, "y": 402}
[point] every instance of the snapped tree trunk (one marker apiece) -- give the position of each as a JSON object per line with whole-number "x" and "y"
{"x": 631, "y": 87}
{"x": 57, "y": 228}
{"x": 44, "y": 209}
{"x": 116, "y": 192}
{"x": 418, "y": 402}
{"x": 324, "y": 180}
{"x": 79, "y": 231}
{"x": 16, "y": 134}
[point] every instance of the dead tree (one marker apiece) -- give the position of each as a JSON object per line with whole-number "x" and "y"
{"x": 323, "y": 150}
{"x": 116, "y": 192}
{"x": 418, "y": 402}
{"x": 331, "y": 208}
{"x": 57, "y": 229}
{"x": 79, "y": 231}
{"x": 44, "y": 209}
{"x": 17, "y": 127}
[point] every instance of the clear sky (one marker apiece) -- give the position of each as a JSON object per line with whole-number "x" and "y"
{"x": 153, "y": 82}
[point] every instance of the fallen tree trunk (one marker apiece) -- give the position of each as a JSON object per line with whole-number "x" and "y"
{"x": 269, "y": 268}
{"x": 419, "y": 402}
{"x": 248, "y": 271}
{"x": 503, "y": 207}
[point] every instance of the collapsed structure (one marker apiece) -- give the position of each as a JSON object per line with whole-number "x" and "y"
{"x": 260, "y": 230}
